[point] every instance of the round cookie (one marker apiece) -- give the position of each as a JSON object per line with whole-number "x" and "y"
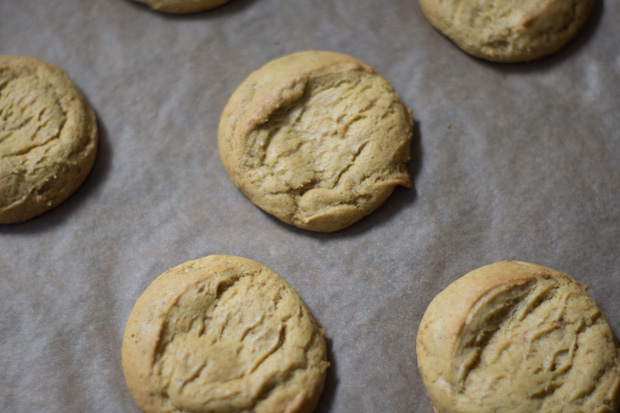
{"x": 517, "y": 337}
{"x": 224, "y": 334}
{"x": 182, "y": 6}
{"x": 48, "y": 138}
{"x": 508, "y": 31}
{"x": 317, "y": 139}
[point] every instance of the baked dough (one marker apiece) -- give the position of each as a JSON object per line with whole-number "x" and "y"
{"x": 48, "y": 138}
{"x": 511, "y": 30}
{"x": 317, "y": 139}
{"x": 223, "y": 334}
{"x": 182, "y": 6}
{"x": 517, "y": 337}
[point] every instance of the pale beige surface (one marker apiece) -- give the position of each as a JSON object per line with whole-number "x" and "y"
{"x": 223, "y": 334}
{"x": 317, "y": 139}
{"x": 48, "y": 137}
{"x": 182, "y": 6}
{"x": 517, "y": 337}
{"x": 507, "y": 161}
{"x": 508, "y": 31}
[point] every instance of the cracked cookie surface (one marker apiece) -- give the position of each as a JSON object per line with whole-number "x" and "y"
{"x": 223, "y": 334}
{"x": 182, "y": 6}
{"x": 317, "y": 139}
{"x": 508, "y": 31}
{"x": 48, "y": 138}
{"x": 517, "y": 337}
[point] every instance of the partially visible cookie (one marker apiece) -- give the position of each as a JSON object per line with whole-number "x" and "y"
{"x": 317, "y": 139}
{"x": 517, "y": 337}
{"x": 182, "y": 6}
{"x": 48, "y": 137}
{"x": 223, "y": 334}
{"x": 508, "y": 31}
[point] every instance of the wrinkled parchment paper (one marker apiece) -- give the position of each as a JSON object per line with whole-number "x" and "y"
{"x": 509, "y": 162}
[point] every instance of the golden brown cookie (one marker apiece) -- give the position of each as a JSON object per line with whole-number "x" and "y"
{"x": 317, "y": 139}
{"x": 182, "y": 6}
{"x": 517, "y": 337}
{"x": 508, "y": 31}
{"x": 223, "y": 334}
{"x": 48, "y": 138}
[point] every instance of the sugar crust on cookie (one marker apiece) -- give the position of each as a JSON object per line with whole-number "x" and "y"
{"x": 317, "y": 139}
{"x": 517, "y": 337}
{"x": 182, "y": 6}
{"x": 223, "y": 333}
{"x": 508, "y": 31}
{"x": 48, "y": 137}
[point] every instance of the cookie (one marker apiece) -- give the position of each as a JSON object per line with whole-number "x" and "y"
{"x": 317, "y": 139}
{"x": 182, "y": 6}
{"x": 517, "y": 337}
{"x": 508, "y": 31}
{"x": 224, "y": 334}
{"x": 48, "y": 138}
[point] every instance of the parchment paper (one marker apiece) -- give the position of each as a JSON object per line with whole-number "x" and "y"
{"x": 509, "y": 162}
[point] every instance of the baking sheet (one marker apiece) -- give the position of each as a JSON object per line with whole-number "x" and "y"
{"x": 509, "y": 162}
